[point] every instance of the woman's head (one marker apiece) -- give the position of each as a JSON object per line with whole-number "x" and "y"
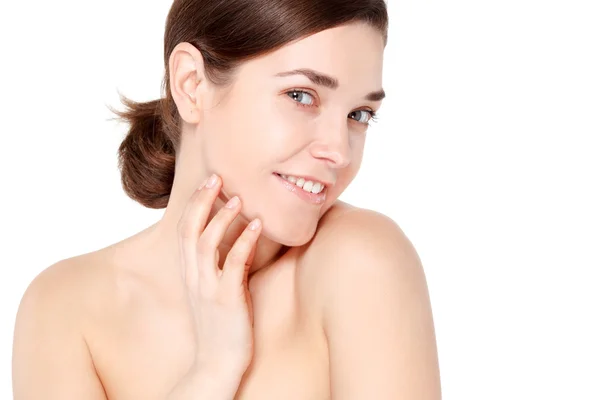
{"x": 233, "y": 107}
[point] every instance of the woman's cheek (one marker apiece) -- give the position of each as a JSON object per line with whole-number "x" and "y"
{"x": 297, "y": 121}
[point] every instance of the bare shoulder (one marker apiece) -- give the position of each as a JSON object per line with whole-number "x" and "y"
{"x": 69, "y": 285}
{"x": 365, "y": 249}
{"x": 74, "y": 292}
{"x": 371, "y": 295}
{"x": 350, "y": 232}
{"x": 351, "y": 242}
{"x": 49, "y": 348}
{"x": 88, "y": 290}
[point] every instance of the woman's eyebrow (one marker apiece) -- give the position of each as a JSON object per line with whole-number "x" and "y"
{"x": 321, "y": 79}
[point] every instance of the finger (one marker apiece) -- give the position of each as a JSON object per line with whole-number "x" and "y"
{"x": 215, "y": 232}
{"x": 185, "y": 229}
{"x": 236, "y": 264}
{"x": 190, "y": 226}
{"x": 252, "y": 253}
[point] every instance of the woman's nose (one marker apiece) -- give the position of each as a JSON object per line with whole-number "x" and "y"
{"x": 333, "y": 144}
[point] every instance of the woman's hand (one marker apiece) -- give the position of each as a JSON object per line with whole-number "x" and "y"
{"x": 219, "y": 299}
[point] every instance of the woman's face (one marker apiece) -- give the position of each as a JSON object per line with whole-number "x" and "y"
{"x": 264, "y": 124}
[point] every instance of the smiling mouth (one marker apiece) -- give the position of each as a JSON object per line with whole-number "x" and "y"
{"x": 312, "y": 198}
{"x": 308, "y": 184}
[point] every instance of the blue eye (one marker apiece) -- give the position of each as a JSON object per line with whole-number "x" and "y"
{"x": 367, "y": 116}
{"x": 294, "y": 94}
{"x": 301, "y": 94}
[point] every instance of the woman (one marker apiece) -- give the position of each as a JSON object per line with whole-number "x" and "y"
{"x": 266, "y": 109}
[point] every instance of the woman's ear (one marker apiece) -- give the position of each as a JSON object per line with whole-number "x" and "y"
{"x": 186, "y": 77}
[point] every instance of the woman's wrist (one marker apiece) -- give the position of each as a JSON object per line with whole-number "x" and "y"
{"x": 202, "y": 383}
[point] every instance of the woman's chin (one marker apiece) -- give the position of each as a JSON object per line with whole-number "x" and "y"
{"x": 294, "y": 236}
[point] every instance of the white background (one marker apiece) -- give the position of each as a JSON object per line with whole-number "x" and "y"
{"x": 487, "y": 154}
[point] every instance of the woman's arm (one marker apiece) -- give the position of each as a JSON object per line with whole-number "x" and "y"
{"x": 51, "y": 360}
{"x": 377, "y": 313}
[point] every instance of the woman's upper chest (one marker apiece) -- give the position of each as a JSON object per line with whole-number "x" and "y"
{"x": 146, "y": 344}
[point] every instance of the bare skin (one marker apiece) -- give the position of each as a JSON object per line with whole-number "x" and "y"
{"x": 140, "y": 334}
{"x": 138, "y": 341}
{"x": 339, "y": 299}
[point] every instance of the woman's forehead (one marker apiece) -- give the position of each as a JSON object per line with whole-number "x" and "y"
{"x": 334, "y": 58}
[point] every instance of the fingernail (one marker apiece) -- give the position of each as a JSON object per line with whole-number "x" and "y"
{"x": 255, "y": 224}
{"x": 203, "y": 183}
{"x": 212, "y": 181}
{"x": 234, "y": 201}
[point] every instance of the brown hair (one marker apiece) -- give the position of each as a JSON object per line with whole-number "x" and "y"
{"x": 227, "y": 33}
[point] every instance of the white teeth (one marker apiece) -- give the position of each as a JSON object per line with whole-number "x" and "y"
{"x": 308, "y": 186}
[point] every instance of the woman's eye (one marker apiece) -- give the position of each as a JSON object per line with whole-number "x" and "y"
{"x": 295, "y": 94}
{"x": 366, "y": 116}
{"x": 303, "y": 99}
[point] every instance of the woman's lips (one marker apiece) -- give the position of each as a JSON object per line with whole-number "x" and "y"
{"x": 311, "y": 198}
